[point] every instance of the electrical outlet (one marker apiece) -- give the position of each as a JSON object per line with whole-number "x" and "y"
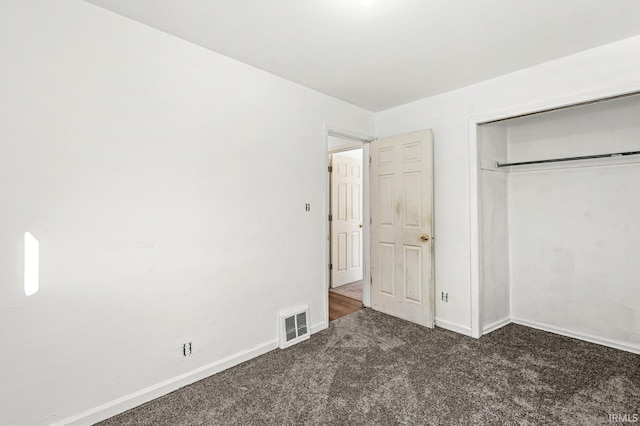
{"x": 307, "y": 207}
{"x": 186, "y": 349}
{"x": 445, "y": 297}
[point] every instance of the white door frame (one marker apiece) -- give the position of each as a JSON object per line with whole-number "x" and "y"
{"x": 475, "y": 196}
{"x": 331, "y": 130}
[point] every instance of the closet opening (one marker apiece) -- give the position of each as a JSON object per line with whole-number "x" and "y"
{"x": 557, "y": 221}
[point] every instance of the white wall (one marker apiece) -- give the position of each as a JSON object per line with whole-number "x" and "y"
{"x": 573, "y": 226}
{"x": 166, "y": 185}
{"x": 353, "y": 153}
{"x": 338, "y": 144}
{"x": 603, "y": 68}
{"x": 494, "y": 226}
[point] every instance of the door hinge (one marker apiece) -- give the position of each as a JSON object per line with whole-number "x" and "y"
{"x": 330, "y": 169}
{"x": 330, "y": 266}
{"x": 330, "y": 217}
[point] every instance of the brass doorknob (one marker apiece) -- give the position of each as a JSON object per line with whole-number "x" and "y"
{"x": 424, "y": 237}
{"x": 361, "y": 225}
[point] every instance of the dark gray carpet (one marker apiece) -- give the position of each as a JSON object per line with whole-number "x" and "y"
{"x": 372, "y": 369}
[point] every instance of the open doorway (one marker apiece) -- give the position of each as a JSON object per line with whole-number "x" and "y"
{"x": 397, "y": 178}
{"x": 346, "y": 226}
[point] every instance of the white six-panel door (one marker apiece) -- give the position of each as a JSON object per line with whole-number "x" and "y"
{"x": 402, "y": 226}
{"x": 346, "y": 220}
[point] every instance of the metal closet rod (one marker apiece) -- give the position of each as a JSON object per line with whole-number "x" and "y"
{"x": 557, "y": 160}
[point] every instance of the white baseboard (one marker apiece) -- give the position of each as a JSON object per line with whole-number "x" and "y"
{"x": 135, "y": 399}
{"x": 319, "y": 327}
{"x": 580, "y": 336}
{"x": 495, "y": 325}
{"x": 462, "y": 329}
{"x": 132, "y": 400}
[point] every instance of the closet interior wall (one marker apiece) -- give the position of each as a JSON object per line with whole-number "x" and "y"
{"x": 494, "y": 226}
{"x": 560, "y": 242}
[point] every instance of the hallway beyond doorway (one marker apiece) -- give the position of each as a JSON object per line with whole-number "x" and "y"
{"x": 340, "y": 306}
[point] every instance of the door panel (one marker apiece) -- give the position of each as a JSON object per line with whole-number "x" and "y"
{"x": 402, "y": 213}
{"x": 341, "y": 264}
{"x": 356, "y": 249}
{"x": 385, "y": 206}
{"x": 386, "y": 270}
{"x": 346, "y": 223}
{"x": 413, "y": 273}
